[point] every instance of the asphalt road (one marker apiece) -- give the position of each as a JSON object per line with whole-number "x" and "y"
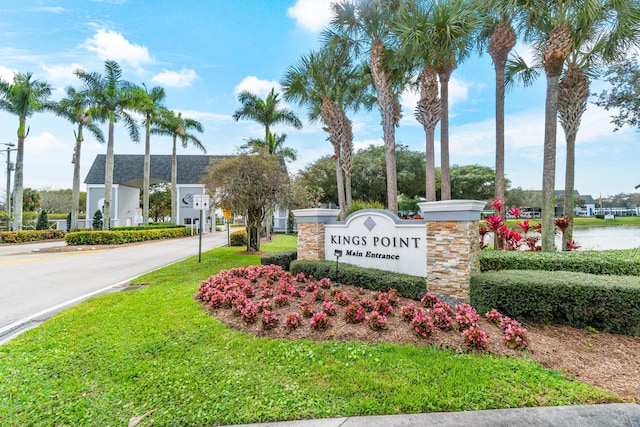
{"x": 35, "y": 284}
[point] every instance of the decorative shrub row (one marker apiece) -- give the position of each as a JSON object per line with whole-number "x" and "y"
{"x": 369, "y": 278}
{"x": 283, "y": 259}
{"x": 145, "y": 227}
{"x": 30, "y": 235}
{"x": 238, "y": 238}
{"x": 614, "y": 262}
{"x": 607, "y": 303}
{"x": 99, "y": 237}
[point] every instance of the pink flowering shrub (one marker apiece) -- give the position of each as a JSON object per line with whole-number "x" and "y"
{"x": 466, "y": 316}
{"x": 341, "y": 298}
{"x": 475, "y": 337}
{"x": 329, "y": 308}
{"x": 269, "y": 320}
{"x": 377, "y": 321}
{"x": 354, "y": 313}
{"x": 366, "y": 305}
{"x": 320, "y": 321}
{"x": 429, "y": 300}
{"x": 264, "y": 304}
{"x": 318, "y": 295}
{"x": 514, "y": 333}
{"x": 307, "y": 309}
{"x": 408, "y": 312}
{"x": 394, "y": 297}
{"x": 442, "y": 316}
{"x": 281, "y": 300}
{"x": 382, "y": 304}
{"x": 293, "y": 321}
{"x": 325, "y": 283}
{"x": 300, "y": 278}
{"x": 422, "y": 323}
{"x": 493, "y": 316}
{"x": 249, "y": 312}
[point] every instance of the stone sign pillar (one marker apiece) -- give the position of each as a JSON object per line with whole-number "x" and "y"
{"x": 311, "y": 232}
{"x": 453, "y": 245}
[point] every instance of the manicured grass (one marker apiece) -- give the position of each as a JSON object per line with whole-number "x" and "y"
{"x": 118, "y": 355}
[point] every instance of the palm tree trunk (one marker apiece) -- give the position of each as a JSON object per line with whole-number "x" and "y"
{"x": 18, "y": 186}
{"x": 108, "y": 178}
{"x": 549, "y": 164}
{"x": 174, "y": 183}
{"x": 147, "y": 173}
{"x": 445, "y": 182}
{"x": 569, "y": 187}
{"x": 340, "y": 182}
{"x": 347, "y": 187}
{"x": 75, "y": 192}
{"x": 499, "y": 181}
{"x": 430, "y": 171}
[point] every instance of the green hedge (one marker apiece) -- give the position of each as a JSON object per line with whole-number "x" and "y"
{"x": 283, "y": 259}
{"x": 109, "y": 237}
{"x": 369, "y": 278}
{"x": 30, "y": 235}
{"x": 614, "y": 262}
{"x": 607, "y": 303}
{"x": 238, "y": 238}
{"x": 145, "y": 227}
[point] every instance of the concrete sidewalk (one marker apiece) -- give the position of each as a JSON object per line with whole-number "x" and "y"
{"x": 607, "y": 415}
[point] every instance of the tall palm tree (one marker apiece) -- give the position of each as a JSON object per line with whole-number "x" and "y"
{"x": 110, "y": 96}
{"x": 151, "y": 104}
{"x": 329, "y": 85}
{"x": 267, "y": 112}
{"x": 364, "y": 27}
{"x": 75, "y": 108}
{"x": 274, "y": 146}
{"x": 23, "y": 97}
{"x": 177, "y": 127}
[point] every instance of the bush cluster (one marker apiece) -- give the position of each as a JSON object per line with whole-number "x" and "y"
{"x": 369, "y": 278}
{"x": 145, "y": 227}
{"x": 30, "y": 235}
{"x": 605, "y": 302}
{"x": 613, "y": 262}
{"x": 238, "y": 238}
{"x": 283, "y": 259}
{"x": 110, "y": 237}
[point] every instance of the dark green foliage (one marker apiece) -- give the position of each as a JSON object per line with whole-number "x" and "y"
{"x": 118, "y": 237}
{"x": 146, "y": 227}
{"x": 238, "y": 238}
{"x": 283, "y": 259}
{"x": 615, "y": 262}
{"x": 97, "y": 220}
{"x": 607, "y": 303}
{"x": 30, "y": 235}
{"x": 369, "y": 278}
{"x": 43, "y": 221}
{"x": 69, "y": 222}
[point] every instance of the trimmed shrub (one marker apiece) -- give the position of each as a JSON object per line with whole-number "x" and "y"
{"x": 607, "y": 303}
{"x": 283, "y": 259}
{"x": 145, "y": 227}
{"x": 97, "y": 237}
{"x": 238, "y": 238}
{"x": 369, "y": 278}
{"x": 97, "y": 220}
{"x": 30, "y": 235}
{"x": 613, "y": 262}
{"x": 43, "y": 221}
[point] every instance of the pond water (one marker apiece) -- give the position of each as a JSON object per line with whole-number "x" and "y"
{"x": 602, "y": 238}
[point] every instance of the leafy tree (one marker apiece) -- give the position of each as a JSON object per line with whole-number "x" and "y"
{"x": 273, "y": 145}
{"x": 57, "y": 201}
{"x": 624, "y": 94}
{"x": 110, "y": 96}
{"x": 75, "y": 108}
{"x": 149, "y": 102}
{"x": 23, "y": 97}
{"x": 176, "y": 127}
{"x": 473, "y": 182}
{"x": 43, "y": 221}
{"x": 98, "y": 221}
{"x": 159, "y": 202}
{"x": 30, "y": 200}
{"x": 249, "y": 184}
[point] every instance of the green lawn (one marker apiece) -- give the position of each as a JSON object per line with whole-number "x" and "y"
{"x": 118, "y": 355}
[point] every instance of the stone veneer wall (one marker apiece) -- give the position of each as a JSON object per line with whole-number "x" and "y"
{"x": 311, "y": 241}
{"x": 453, "y": 255}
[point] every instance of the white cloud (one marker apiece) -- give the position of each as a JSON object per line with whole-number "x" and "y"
{"x": 44, "y": 142}
{"x": 458, "y": 93}
{"x": 255, "y": 85}
{"x": 7, "y": 74}
{"x": 111, "y": 45}
{"x": 205, "y": 115}
{"x": 182, "y": 78}
{"x": 312, "y": 15}
{"x": 50, "y": 9}
{"x": 61, "y": 74}
{"x": 365, "y": 143}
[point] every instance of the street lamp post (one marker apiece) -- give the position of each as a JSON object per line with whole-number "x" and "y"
{"x": 9, "y": 150}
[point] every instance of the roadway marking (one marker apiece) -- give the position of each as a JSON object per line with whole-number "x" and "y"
{"x": 53, "y": 256}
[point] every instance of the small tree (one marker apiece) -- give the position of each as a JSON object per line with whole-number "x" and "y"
{"x": 69, "y": 222}
{"x": 97, "y": 220}
{"x": 249, "y": 184}
{"x": 43, "y": 221}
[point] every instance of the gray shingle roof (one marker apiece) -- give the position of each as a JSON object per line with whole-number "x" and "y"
{"x": 129, "y": 167}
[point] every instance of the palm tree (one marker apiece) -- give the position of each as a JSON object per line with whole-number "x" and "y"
{"x": 110, "y": 96}
{"x": 150, "y": 103}
{"x": 274, "y": 146}
{"x": 176, "y": 127}
{"x": 267, "y": 112}
{"x": 23, "y": 97}
{"x": 365, "y": 27}
{"x": 329, "y": 85}
{"x": 75, "y": 109}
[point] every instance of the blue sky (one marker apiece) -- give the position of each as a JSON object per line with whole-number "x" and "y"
{"x": 205, "y": 52}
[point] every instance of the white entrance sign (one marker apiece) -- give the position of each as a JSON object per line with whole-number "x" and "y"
{"x": 378, "y": 239}
{"x": 201, "y": 201}
{"x": 138, "y": 216}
